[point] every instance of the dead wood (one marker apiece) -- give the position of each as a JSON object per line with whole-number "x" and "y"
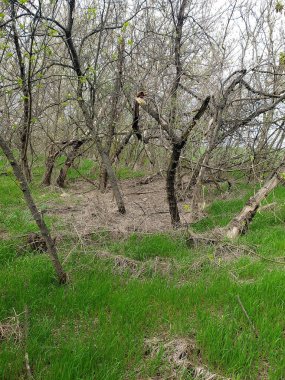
{"x": 36, "y": 242}
{"x": 240, "y": 223}
{"x": 247, "y": 316}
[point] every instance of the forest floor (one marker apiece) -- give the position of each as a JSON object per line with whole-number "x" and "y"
{"x": 141, "y": 304}
{"x": 88, "y": 210}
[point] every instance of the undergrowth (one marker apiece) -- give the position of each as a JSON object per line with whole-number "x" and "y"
{"x": 95, "y": 327}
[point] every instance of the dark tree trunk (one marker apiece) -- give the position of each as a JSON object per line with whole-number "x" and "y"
{"x": 51, "y": 248}
{"x": 170, "y": 184}
{"x": 27, "y": 99}
{"x": 122, "y": 145}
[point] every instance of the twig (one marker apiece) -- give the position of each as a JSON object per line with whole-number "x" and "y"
{"x": 27, "y": 361}
{"x": 28, "y": 368}
{"x": 142, "y": 192}
{"x": 196, "y": 238}
{"x": 140, "y": 207}
{"x": 247, "y": 316}
{"x": 251, "y": 251}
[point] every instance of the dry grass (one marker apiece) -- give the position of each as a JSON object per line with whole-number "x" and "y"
{"x": 136, "y": 268}
{"x": 11, "y": 328}
{"x": 87, "y": 209}
{"x": 180, "y": 357}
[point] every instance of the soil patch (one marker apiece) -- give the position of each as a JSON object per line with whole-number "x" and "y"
{"x": 85, "y": 209}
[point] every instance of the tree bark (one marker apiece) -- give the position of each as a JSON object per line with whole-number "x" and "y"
{"x": 51, "y": 248}
{"x": 170, "y": 184}
{"x": 26, "y": 98}
{"x": 52, "y": 156}
{"x": 112, "y": 178}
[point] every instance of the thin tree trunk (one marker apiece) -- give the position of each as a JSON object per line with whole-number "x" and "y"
{"x": 51, "y": 248}
{"x": 114, "y": 112}
{"x": 176, "y": 147}
{"x": 112, "y": 177}
{"x": 170, "y": 184}
{"x": 87, "y": 112}
{"x": 27, "y": 101}
{"x": 197, "y": 181}
{"x": 122, "y": 145}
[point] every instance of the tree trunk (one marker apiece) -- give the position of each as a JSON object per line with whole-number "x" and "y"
{"x": 87, "y": 112}
{"x": 114, "y": 111}
{"x": 112, "y": 178}
{"x": 239, "y": 225}
{"x": 51, "y": 248}
{"x": 69, "y": 161}
{"x": 170, "y": 184}
{"x": 103, "y": 181}
{"x": 52, "y": 156}
{"x": 122, "y": 145}
{"x": 27, "y": 99}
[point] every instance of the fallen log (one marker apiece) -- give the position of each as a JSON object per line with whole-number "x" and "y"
{"x": 240, "y": 223}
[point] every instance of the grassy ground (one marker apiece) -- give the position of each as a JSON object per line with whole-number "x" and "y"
{"x": 95, "y": 327}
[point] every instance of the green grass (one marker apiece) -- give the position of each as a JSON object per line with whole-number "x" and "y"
{"x": 127, "y": 173}
{"x": 143, "y": 247}
{"x": 14, "y": 215}
{"x": 95, "y": 327}
{"x": 97, "y": 324}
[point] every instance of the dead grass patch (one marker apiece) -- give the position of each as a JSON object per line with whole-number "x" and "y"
{"x": 123, "y": 264}
{"x": 4, "y": 235}
{"x": 87, "y": 209}
{"x": 11, "y": 329}
{"x": 180, "y": 358}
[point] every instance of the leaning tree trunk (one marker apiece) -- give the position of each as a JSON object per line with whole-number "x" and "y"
{"x": 51, "y": 248}
{"x": 239, "y": 225}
